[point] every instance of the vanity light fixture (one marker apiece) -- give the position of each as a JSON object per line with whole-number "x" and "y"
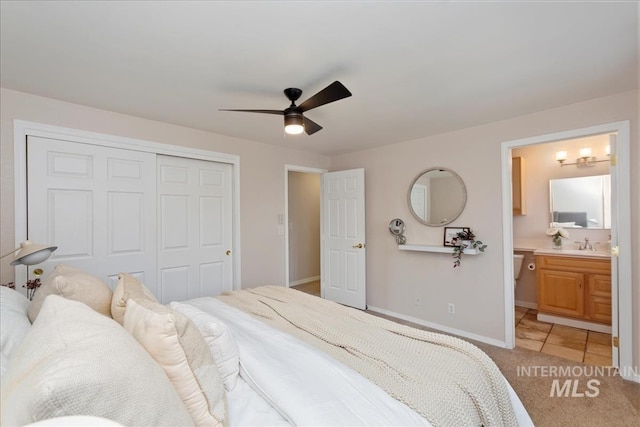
{"x": 585, "y": 158}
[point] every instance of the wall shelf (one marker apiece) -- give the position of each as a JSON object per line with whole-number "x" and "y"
{"x": 438, "y": 249}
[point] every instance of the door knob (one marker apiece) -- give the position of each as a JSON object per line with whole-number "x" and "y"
{"x": 359, "y": 246}
{"x": 228, "y": 253}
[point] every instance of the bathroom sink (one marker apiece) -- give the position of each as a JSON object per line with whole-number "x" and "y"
{"x": 573, "y": 253}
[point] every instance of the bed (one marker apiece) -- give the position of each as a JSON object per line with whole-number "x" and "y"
{"x": 282, "y": 357}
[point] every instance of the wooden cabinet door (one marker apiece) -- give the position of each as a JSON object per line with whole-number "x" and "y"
{"x": 599, "y": 298}
{"x": 518, "y": 195}
{"x": 561, "y": 292}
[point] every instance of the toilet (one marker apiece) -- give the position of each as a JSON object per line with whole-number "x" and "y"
{"x": 518, "y": 260}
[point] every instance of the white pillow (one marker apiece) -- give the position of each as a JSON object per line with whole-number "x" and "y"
{"x": 14, "y": 323}
{"x": 12, "y": 299}
{"x": 75, "y": 361}
{"x": 218, "y": 337}
{"x": 76, "y": 420}
{"x": 177, "y": 345}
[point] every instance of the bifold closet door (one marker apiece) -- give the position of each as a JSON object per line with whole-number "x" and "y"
{"x": 195, "y": 228}
{"x": 97, "y": 204}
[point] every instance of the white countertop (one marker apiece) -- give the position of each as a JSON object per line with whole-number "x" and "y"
{"x": 543, "y": 247}
{"x": 573, "y": 253}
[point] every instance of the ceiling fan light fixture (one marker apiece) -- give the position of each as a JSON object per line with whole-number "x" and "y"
{"x": 294, "y": 124}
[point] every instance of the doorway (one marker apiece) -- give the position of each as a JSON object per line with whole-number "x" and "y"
{"x": 301, "y": 227}
{"x": 342, "y": 235}
{"x": 620, "y": 266}
{"x": 575, "y": 198}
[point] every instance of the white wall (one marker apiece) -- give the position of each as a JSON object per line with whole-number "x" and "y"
{"x": 396, "y": 278}
{"x": 261, "y": 174}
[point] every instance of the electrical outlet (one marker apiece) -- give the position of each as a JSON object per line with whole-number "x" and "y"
{"x": 452, "y": 308}
{"x": 418, "y": 301}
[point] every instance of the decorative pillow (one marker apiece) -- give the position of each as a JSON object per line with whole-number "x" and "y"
{"x": 14, "y": 323}
{"x": 177, "y": 345}
{"x": 74, "y": 284}
{"x": 218, "y": 337}
{"x": 126, "y": 288}
{"x": 77, "y": 421}
{"x": 75, "y": 361}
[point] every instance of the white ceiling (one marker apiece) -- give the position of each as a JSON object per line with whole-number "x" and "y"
{"x": 415, "y": 68}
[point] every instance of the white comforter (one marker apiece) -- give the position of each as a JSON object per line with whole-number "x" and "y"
{"x": 303, "y": 384}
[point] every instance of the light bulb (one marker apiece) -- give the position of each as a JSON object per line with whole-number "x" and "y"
{"x": 294, "y": 129}
{"x": 585, "y": 152}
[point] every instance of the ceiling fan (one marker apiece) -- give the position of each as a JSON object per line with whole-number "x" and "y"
{"x": 294, "y": 121}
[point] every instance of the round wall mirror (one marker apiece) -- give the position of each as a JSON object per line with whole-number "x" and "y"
{"x": 437, "y": 196}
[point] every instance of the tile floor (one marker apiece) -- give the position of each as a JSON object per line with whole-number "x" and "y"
{"x": 579, "y": 345}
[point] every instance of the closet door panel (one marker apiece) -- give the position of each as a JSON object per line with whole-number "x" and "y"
{"x": 165, "y": 220}
{"x": 195, "y": 224}
{"x": 97, "y": 204}
{"x": 66, "y": 209}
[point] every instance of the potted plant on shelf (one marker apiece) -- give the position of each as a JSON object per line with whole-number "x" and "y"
{"x": 463, "y": 240}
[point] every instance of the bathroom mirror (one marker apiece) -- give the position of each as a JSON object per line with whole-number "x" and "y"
{"x": 437, "y": 196}
{"x": 584, "y": 201}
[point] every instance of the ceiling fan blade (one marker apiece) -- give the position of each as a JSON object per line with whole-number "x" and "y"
{"x": 311, "y": 127}
{"x": 334, "y": 92}
{"x": 278, "y": 112}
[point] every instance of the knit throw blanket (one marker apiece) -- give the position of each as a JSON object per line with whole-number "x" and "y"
{"x": 448, "y": 381}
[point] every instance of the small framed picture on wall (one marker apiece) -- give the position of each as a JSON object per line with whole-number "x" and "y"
{"x": 451, "y": 234}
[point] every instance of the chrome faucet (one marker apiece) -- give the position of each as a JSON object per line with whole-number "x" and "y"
{"x": 586, "y": 246}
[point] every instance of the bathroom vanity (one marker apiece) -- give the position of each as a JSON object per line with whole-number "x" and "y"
{"x": 574, "y": 284}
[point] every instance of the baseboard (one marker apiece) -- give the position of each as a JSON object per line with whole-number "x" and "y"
{"x": 527, "y": 304}
{"x": 630, "y": 374}
{"x": 574, "y": 323}
{"x": 303, "y": 281}
{"x": 441, "y": 328}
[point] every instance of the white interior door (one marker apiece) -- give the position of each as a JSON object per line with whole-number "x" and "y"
{"x": 195, "y": 228}
{"x": 97, "y": 204}
{"x": 419, "y": 201}
{"x": 343, "y": 238}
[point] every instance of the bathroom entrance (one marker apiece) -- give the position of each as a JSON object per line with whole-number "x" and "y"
{"x": 579, "y": 327}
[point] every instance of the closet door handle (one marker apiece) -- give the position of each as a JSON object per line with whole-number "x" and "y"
{"x": 228, "y": 252}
